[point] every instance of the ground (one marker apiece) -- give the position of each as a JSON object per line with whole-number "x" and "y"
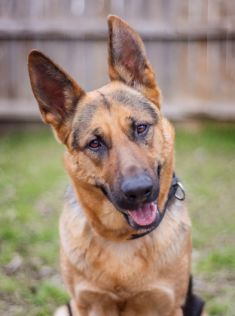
{"x": 32, "y": 182}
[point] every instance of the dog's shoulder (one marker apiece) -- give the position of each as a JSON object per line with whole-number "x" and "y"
{"x": 73, "y": 223}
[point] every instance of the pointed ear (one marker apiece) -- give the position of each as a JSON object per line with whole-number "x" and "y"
{"x": 55, "y": 91}
{"x": 128, "y": 61}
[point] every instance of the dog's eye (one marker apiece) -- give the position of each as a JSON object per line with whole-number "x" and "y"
{"x": 95, "y": 144}
{"x": 141, "y": 128}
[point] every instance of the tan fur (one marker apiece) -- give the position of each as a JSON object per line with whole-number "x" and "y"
{"x": 105, "y": 272}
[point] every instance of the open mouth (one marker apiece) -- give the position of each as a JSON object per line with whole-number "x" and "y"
{"x": 144, "y": 217}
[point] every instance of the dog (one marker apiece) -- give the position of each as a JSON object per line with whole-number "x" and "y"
{"x": 125, "y": 232}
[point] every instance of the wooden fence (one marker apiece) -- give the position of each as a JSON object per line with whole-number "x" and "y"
{"x": 191, "y": 45}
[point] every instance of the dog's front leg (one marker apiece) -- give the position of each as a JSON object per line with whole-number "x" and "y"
{"x": 178, "y": 312}
{"x": 159, "y": 302}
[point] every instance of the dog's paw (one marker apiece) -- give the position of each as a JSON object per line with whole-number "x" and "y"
{"x": 62, "y": 311}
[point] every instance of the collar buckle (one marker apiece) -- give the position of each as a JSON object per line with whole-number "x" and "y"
{"x": 180, "y": 192}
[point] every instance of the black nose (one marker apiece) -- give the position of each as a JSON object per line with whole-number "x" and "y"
{"x": 137, "y": 188}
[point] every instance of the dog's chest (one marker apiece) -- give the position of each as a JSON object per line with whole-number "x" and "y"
{"x": 121, "y": 271}
{"x": 122, "y": 266}
{"x": 126, "y": 268}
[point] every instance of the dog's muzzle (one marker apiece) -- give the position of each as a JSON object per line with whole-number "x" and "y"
{"x": 146, "y": 216}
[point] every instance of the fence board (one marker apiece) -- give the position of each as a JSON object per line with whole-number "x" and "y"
{"x": 97, "y": 30}
{"x": 191, "y": 45}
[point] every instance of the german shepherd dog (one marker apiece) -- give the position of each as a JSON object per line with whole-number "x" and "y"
{"x": 125, "y": 231}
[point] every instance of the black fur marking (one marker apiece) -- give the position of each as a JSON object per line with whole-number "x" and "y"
{"x": 103, "y": 188}
{"x": 194, "y": 304}
{"x": 135, "y": 101}
{"x": 159, "y": 170}
{"x": 75, "y": 139}
{"x": 82, "y": 124}
{"x": 69, "y": 309}
{"x": 105, "y": 101}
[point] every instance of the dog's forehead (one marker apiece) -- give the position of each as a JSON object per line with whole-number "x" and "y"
{"x": 110, "y": 109}
{"x": 111, "y": 97}
{"x": 117, "y": 92}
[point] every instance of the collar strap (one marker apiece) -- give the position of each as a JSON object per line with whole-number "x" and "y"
{"x": 176, "y": 191}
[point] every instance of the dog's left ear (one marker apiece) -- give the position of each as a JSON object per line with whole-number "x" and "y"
{"x": 127, "y": 59}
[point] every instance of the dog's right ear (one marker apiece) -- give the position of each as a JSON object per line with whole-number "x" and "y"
{"x": 55, "y": 91}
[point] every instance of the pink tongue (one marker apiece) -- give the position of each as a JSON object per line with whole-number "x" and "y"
{"x": 144, "y": 215}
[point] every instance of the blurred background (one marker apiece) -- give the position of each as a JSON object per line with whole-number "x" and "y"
{"x": 191, "y": 45}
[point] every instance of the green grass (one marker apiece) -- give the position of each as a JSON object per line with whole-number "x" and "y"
{"x": 205, "y": 160}
{"x": 217, "y": 260}
{"x": 32, "y": 182}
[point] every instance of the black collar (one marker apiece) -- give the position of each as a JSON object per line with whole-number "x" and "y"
{"x": 176, "y": 191}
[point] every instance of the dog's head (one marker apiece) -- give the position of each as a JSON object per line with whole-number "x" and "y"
{"x": 119, "y": 146}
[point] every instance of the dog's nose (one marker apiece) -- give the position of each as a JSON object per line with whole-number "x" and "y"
{"x": 137, "y": 188}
